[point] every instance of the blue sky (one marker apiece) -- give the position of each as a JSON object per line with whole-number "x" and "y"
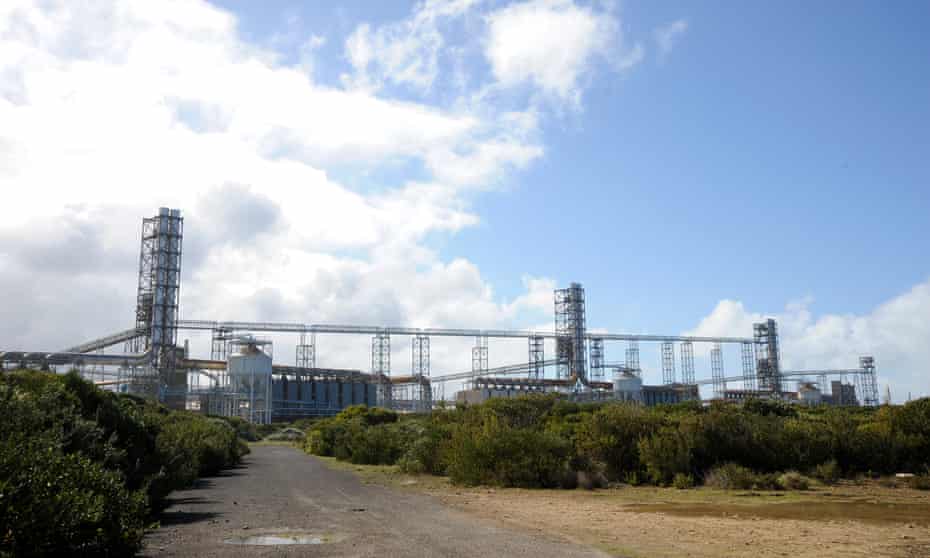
{"x": 696, "y": 165}
{"x": 780, "y": 151}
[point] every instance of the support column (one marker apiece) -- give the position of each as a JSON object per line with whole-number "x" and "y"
{"x": 632, "y": 358}
{"x": 536, "y": 356}
{"x": 596, "y": 357}
{"x": 306, "y": 350}
{"x": 668, "y": 362}
{"x": 479, "y": 356}
{"x": 749, "y": 368}
{"x": 381, "y": 368}
{"x": 687, "y": 362}
{"x": 419, "y": 358}
{"x": 716, "y": 371}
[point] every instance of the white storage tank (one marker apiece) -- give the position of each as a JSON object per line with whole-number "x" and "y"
{"x": 627, "y": 386}
{"x": 250, "y": 379}
{"x": 809, "y": 393}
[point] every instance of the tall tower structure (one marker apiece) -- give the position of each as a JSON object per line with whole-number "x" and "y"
{"x": 157, "y": 301}
{"x": 768, "y": 361}
{"x": 570, "y": 330}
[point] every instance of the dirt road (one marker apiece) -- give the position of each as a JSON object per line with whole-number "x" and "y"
{"x": 283, "y": 493}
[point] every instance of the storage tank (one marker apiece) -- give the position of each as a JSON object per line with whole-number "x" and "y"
{"x": 627, "y": 386}
{"x": 250, "y": 378}
{"x": 809, "y": 393}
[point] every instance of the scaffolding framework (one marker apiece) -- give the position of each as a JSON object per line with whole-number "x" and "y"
{"x": 716, "y": 370}
{"x": 381, "y": 354}
{"x": 687, "y": 362}
{"x": 571, "y": 332}
{"x": 305, "y": 351}
{"x": 747, "y": 354}
{"x": 632, "y": 357}
{"x": 868, "y": 391}
{"x": 668, "y": 363}
{"x": 219, "y": 343}
{"x": 596, "y": 356}
{"x": 419, "y": 356}
{"x": 768, "y": 367}
{"x": 479, "y": 355}
{"x": 537, "y": 355}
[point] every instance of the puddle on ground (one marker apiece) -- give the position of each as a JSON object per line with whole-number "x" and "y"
{"x": 867, "y": 512}
{"x": 281, "y": 539}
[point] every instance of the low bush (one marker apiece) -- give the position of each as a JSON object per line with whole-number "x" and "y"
{"x": 682, "y": 481}
{"x": 793, "y": 480}
{"x": 730, "y": 476}
{"x": 666, "y": 453}
{"x": 828, "y": 472}
{"x": 520, "y": 457}
{"x": 547, "y": 441}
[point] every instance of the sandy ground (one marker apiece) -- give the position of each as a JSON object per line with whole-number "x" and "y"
{"x": 842, "y": 521}
{"x": 285, "y": 493}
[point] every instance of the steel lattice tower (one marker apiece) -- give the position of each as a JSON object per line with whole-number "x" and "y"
{"x": 687, "y": 362}
{"x": 632, "y": 358}
{"x": 537, "y": 356}
{"x": 157, "y": 300}
{"x": 716, "y": 370}
{"x": 768, "y": 367}
{"x": 668, "y": 362}
{"x": 570, "y": 329}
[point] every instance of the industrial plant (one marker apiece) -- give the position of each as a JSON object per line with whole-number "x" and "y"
{"x": 241, "y": 378}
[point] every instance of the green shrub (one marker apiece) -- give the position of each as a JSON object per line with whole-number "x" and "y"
{"x": 81, "y": 469}
{"x": 666, "y": 453}
{"x": 827, "y": 472}
{"x": 682, "y": 481}
{"x": 730, "y": 476}
{"x": 633, "y": 478}
{"x": 793, "y": 480}
{"x": 53, "y": 503}
{"x": 427, "y": 452}
{"x": 611, "y": 436}
{"x": 520, "y": 457}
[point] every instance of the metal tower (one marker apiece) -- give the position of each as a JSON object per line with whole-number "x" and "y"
{"x": 632, "y": 357}
{"x": 159, "y": 287}
{"x": 687, "y": 362}
{"x": 668, "y": 362}
{"x": 868, "y": 384}
{"x": 596, "y": 355}
{"x": 570, "y": 330}
{"x": 768, "y": 367}
{"x": 537, "y": 355}
{"x": 716, "y": 371}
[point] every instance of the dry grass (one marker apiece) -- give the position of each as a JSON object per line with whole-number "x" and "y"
{"x": 847, "y": 519}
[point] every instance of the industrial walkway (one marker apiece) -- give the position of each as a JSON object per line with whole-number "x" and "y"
{"x": 282, "y": 492}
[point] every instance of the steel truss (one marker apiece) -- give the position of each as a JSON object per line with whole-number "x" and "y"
{"x": 716, "y": 370}
{"x": 668, "y": 363}
{"x": 537, "y": 354}
{"x": 687, "y": 362}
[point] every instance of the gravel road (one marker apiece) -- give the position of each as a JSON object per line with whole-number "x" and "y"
{"x": 282, "y": 492}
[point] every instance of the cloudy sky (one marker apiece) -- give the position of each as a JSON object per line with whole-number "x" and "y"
{"x": 449, "y": 163}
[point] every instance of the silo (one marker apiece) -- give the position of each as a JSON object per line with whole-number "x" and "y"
{"x": 627, "y": 386}
{"x": 250, "y": 378}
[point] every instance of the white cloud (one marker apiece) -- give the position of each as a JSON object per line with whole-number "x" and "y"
{"x": 895, "y": 333}
{"x": 552, "y": 45}
{"x": 667, "y": 36}
{"x": 405, "y": 52}
{"x": 110, "y": 113}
